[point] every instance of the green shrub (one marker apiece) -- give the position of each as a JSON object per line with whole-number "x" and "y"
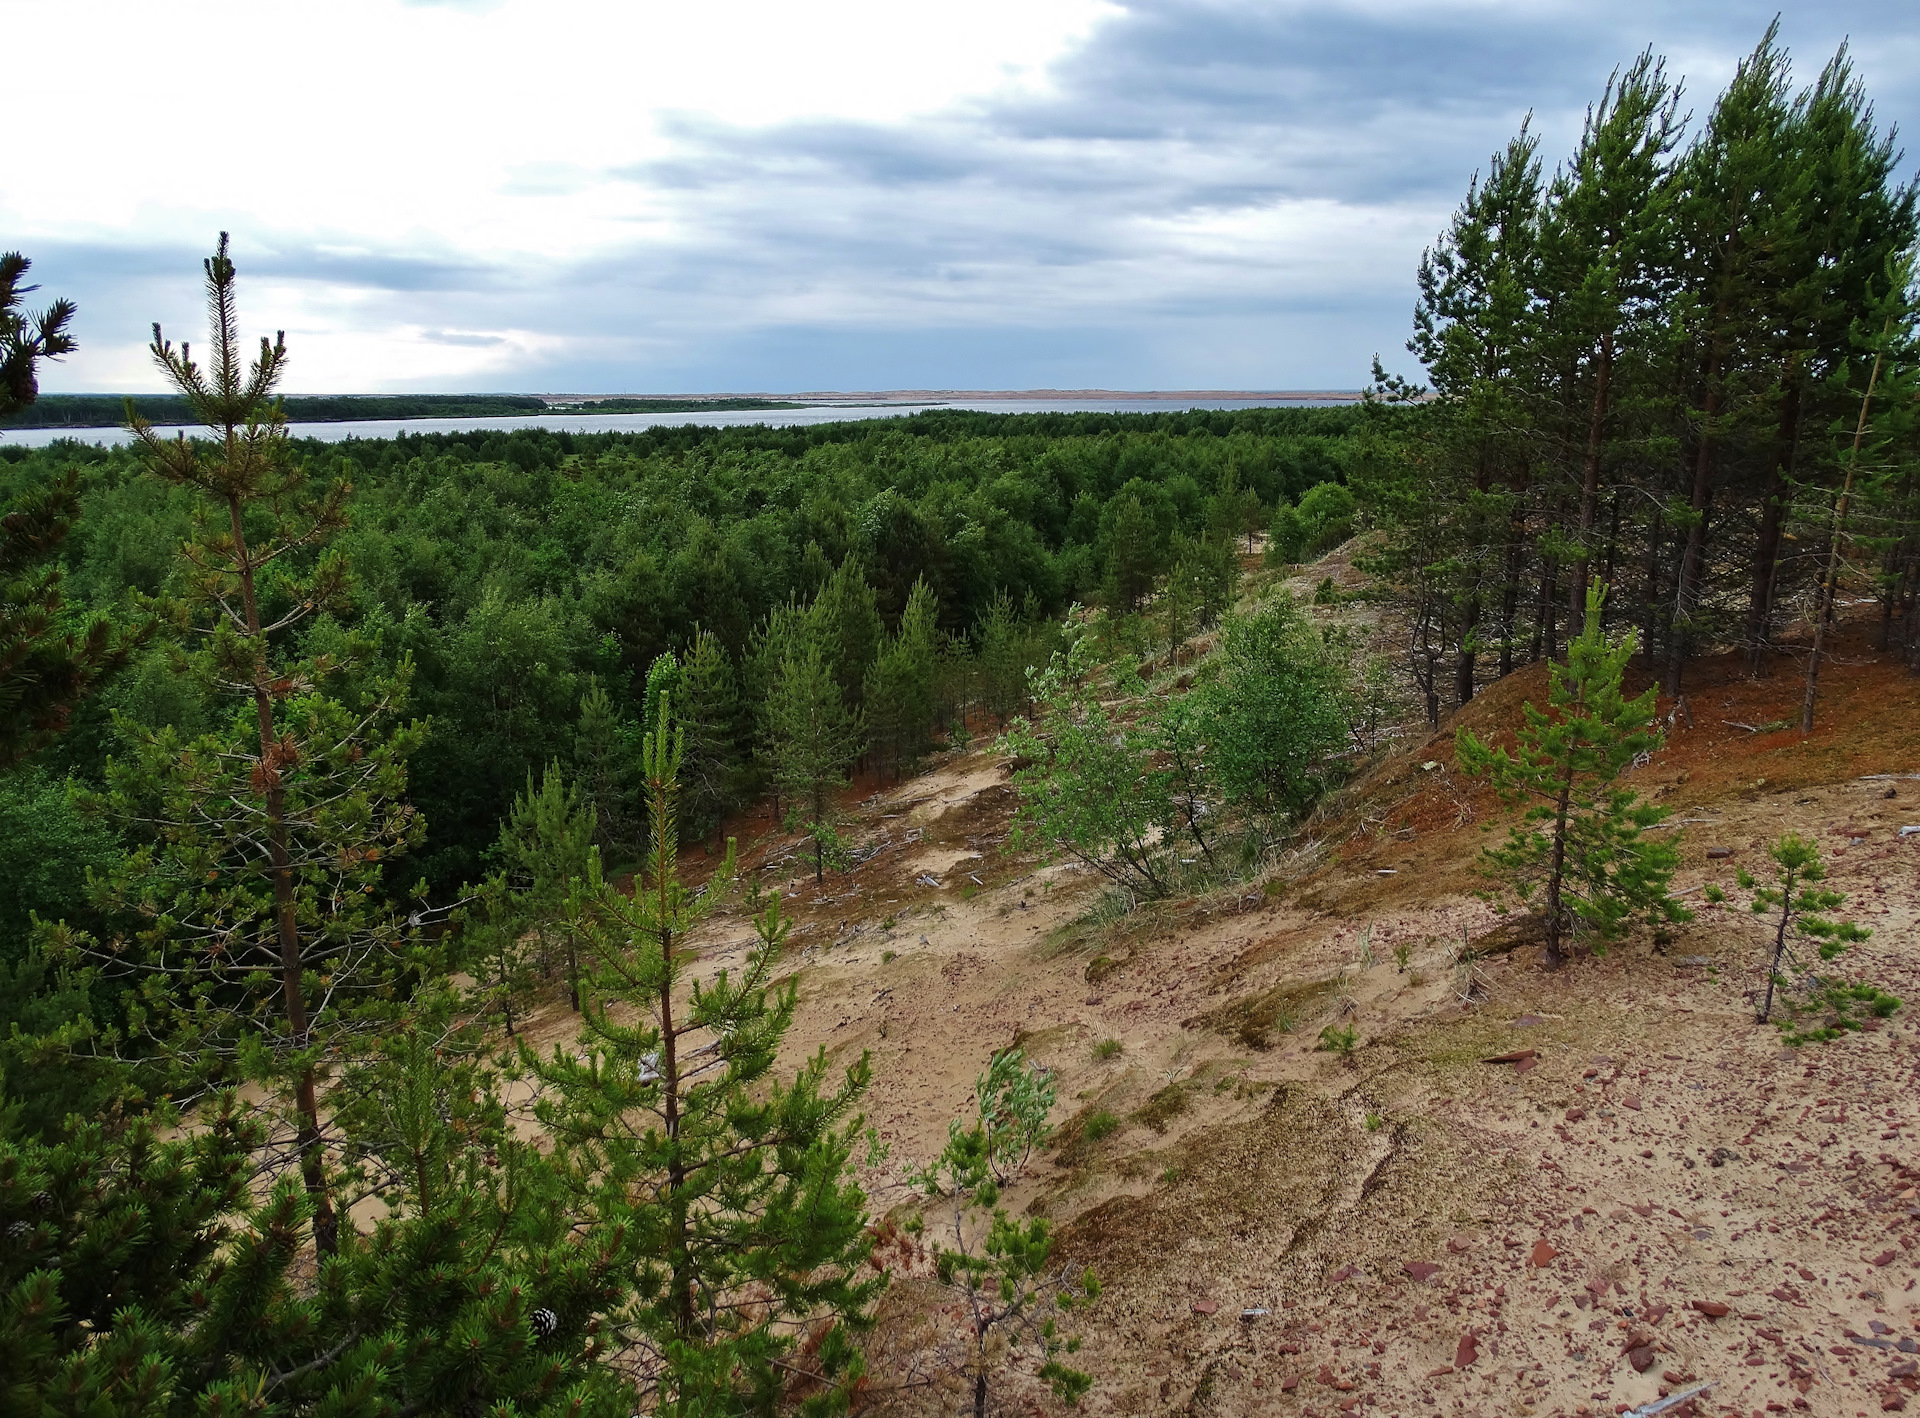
{"x": 1337, "y": 1039}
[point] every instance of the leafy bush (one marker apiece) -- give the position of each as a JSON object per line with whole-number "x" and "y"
{"x": 1273, "y": 713}
{"x": 1015, "y": 1098}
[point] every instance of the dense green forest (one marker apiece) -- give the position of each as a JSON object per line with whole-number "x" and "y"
{"x": 110, "y": 410}
{"x": 520, "y": 570}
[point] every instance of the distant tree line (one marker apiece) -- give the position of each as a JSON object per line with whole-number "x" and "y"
{"x": 1683, "y": 362}
{"x": 110, "y": 410}
{"x": 672, "y": 406}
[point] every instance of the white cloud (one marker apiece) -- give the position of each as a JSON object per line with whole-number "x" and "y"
{"x": 645, "y": 196}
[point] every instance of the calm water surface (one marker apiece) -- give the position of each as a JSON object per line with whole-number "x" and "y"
{"x": 572, "y": 422}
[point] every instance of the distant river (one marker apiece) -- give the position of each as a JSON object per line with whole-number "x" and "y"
{"x": 572, "y": 422}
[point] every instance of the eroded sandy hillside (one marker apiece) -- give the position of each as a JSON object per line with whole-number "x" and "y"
{"x": 1658, "y": 1194}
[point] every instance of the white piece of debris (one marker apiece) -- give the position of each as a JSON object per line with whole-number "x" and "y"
{"x": 1430, "y": 765}
{"x": 1662, "y": 1405}
{"x": 1909, "y": 831}
{"x": 927, "y": 879}
{"x": 1387, "y": 871}
{"x": 1252, "y": 1312}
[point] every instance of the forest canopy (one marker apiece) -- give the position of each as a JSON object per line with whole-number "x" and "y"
{"x": 518, "y": 570}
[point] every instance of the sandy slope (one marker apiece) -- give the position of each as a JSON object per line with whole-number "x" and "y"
{"x": 1425, "y": 1231}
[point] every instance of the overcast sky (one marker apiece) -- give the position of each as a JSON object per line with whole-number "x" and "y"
{"x": 624, "y": 195}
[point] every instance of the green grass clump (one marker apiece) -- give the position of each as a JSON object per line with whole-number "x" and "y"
{"x": 1102, "y": 1124}
{"x": 1108, "y": 1049}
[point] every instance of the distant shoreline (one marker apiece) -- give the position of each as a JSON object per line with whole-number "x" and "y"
{"x": 940, "y": 396}
{"x": 342, "y": 417}
{"x": 84, "y": 412}
{"x": 92, "y": 412}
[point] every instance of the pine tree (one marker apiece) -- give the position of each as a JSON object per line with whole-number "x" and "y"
{"x": 47, "y": 666}
{"x": 264, "y": 941}
{"x": 1003, "y": 669}
{"x": 27, "y": 339}
{"x": 919, "y": 644}
{"x": 1736, "y": 216}
{"x": 144, "y": 1279}
{"x": 727, "y": 1192}
{"x": 902, "y": 684}
{"x": 546, "y": 840}
{"x": 890, "y": 694}
{"x": 707, "y": 707}
{"x": 1796, "y": 895}
{"x": 1831, "y": 264}
{"x": 1133, "y": 557}
{"x": 1580, "y": 857}
{"x": 812, "y": 739}
{"x": 1206, "y": 576}
{"x": 475, "y": 1290}
{"x": 1451, "y": 498}
{"x": 1606, "y": 248}
{"x": 845, "y": 624}
{"x": 603, "y": 753}
{"x": 999, "y": 1270}
{"x": 1870, "y": 462}
{"x": 495, "y": 951}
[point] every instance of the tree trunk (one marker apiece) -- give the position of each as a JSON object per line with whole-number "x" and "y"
{"x": 1773, "y": 516}
{"x": 1693, "y": 558}
{"x": 1557, "y": 872}
{"x": 1650, "y": 607}
{"x": 679, "y": 1253}
{"x": 1830, "y": 582}
{"x": 1779, "y": 948}
{"x": 1510, "y": 589}
{"x": 1590, "y": 486}
{"x": 1613, "y": 540}
{"x": 313, "y": 1171}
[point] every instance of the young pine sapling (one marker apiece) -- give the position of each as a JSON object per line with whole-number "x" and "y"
{"x": 1795, "y": 901}
{"x": 1580, "y": 857}
{"x": 1011, "y": 1303}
